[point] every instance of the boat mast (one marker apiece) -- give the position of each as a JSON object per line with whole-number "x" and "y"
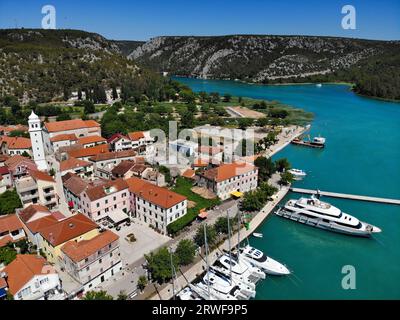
{"x": 238, "y": 244}
{"x": 172, "y": 274}
{"x": 208, "y": 268}
{"x": 229, "y": 246}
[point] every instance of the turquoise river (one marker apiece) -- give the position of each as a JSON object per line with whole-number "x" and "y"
{"x": 362, "y": 157}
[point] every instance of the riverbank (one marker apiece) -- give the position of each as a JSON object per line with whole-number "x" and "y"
{"x": 166, "y": 292}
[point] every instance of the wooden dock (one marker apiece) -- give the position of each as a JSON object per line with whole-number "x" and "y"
{"x": 347, "y": 196}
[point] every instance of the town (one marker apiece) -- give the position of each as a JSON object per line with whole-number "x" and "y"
{"x": 92, "y": 214}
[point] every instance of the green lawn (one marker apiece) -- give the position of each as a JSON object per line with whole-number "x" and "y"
{"x": 183, "y": 187}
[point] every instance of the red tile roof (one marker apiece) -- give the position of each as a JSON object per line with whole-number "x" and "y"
{"x": 88, "y": 152}
{"x": 4, "y": 170}
{"x": 162, "y": 197}
{"x": 17, "y": 142}
{"x": 41, "y": 223}
{"x": 39, "y": 175}
{"x": 189, "y": 173}
{"x": 73, "y": 163}
{"x": 68, "y": 125}
{"x": 24, "y": 268}
{"x": 75, "y": 184}
{"x": 98, "y": 192}
{"x": 17, "y": 160}
{"x": 64, "y": 137}
{"x": 91, "y": 139}
{"x": 9, "y": 223}
{"x": 78, "y": 251}
{"x": 67, "y": 229}
{"x": 27, "y": 213}
{"x": 113, "y": 155}
{"x": 227, "y": 171}
{"x": 135, "y": 136}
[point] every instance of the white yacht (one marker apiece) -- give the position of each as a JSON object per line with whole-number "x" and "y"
{"x": 240, "y": 271}
{"x": 258, "y": 259}
{"x": 319, "y": 85}
{"x": 312, "y": 211}
{"x": 297, "y": 173}
{"x": 221, "y": 287}
{"x": 246, "y": 287}
{"x": 188, "y": 294}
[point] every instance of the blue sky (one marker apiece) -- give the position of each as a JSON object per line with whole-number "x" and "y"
{"x": 141, "y": 20}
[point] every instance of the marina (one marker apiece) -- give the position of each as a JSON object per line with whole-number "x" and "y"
{"x": 359, "y": 161}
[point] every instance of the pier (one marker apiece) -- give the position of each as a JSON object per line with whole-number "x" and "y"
{"x": 347, "y": 196}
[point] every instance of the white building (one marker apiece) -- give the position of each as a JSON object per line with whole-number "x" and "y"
{"x": 155, "y": 206}
{"x": 31, "y": 277}
{"x": 35, "y": 132}
{"x": 81, "y": 128}
{"x": 230, "y": 179}
{"x": 92, "y": 261}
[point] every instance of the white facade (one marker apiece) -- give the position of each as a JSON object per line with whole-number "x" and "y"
{"x": 242, "y": 183}
{"x": 154, "y": 215}
{"x": 35, "y": 132}
{"x": 41, "y": 286}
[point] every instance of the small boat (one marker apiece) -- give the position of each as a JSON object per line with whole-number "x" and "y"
{"x": 258, "y": 259}
{"x": 257, "y": 235}
{"x": 297, "y": 173}
{"x": 323, "y": 215}
{"x": 319, "y": 85}
{"x": 319, "y": 141}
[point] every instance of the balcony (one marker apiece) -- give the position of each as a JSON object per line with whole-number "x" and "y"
{"x": 29, "y": 196}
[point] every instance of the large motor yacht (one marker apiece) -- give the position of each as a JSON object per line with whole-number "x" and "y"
{"x": 258, "y": 259}
{"x": 314, "y": 212}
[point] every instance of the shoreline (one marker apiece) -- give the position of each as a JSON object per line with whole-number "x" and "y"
{"x": 350, "y": 84}
{"x": 166, "y": 293}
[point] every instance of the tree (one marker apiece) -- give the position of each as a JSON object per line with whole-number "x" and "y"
{"x": 282, "y": 165}
{"x": 166, "y": 172}
{"x": 63, "y": 117}
{"x": 221, "y": 225}
{"x": 244, "y": 123}
{"x": 114, "y": 93}
{"x": 251, "y": 201}
{"x": 159, "y": 264}
{"x": 122, "y": 296}
{"x": 211, "y": 235}
{"x": 88, "y": 107}
{"x": 97, "y": 295}
{"x": 286, "y": 178}
{"x": 185, "y": 251}
{"x": 227, "y": 97}
{"x": 7, "y": 254}
{"x": 19, "y": 133}
{"x": 142, "y": 283}
{"x": 266, "y": 168}
{"x": 9, "y": 201}
{"x": 187, "y": 120}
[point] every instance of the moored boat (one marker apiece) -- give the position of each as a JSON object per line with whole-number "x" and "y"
{"x": 319, "y": 214}
{"x": 259, "y": 259}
